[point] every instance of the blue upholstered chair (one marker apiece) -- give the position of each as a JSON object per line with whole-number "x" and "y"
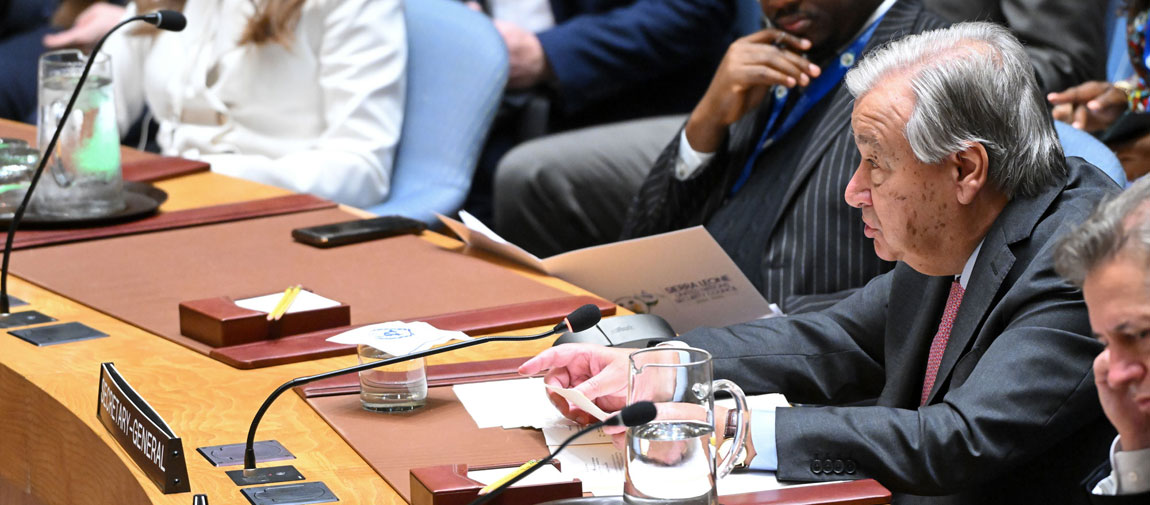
{"x": 1117, "y": 60}
{"x": 1076, "y": 142}
{"x": 456, "y": 71}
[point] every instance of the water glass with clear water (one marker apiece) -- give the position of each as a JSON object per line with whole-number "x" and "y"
{"x": 82, "y": 178}
{"x": 393, "y": 388}
{"x": 17, "y": 162}
{"x": 672, "y": 460}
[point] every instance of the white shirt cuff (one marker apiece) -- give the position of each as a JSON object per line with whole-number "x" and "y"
{"x": 1130, "y": 472}
{"x": 689, "y": 161}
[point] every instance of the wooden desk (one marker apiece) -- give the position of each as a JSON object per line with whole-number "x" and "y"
{"x": 53, "y": 449}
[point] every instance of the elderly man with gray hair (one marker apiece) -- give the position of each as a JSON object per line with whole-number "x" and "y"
{"x": 963, "y": 375}
{"x": 1109, "y": 257}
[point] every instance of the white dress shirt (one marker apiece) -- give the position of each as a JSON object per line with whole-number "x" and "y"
{"x": 322, "y": 116}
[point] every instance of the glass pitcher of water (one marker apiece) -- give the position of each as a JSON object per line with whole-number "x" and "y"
{"x": 82, "y": 178}
{"x": 672, "y": 460}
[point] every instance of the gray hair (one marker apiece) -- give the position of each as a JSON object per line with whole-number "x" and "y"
{"x": 973, "y": 82}
{"x": 1117, "y": 225}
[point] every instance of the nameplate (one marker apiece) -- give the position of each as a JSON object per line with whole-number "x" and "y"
{"x": 141, "y": 432}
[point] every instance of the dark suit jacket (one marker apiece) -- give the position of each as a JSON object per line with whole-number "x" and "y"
{"x": 620, "y": 59}
{"x": 1013, "y": 416}
{"x": 816, "y": 244}
{"x": 1066, "y": 40}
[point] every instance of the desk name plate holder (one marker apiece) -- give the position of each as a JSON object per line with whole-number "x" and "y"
{"x": 141, "y": 432}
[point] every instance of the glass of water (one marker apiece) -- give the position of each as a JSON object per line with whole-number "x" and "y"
{"x": 392, "y": 388}
{"x": 17, "y": 162}
{"x": 82, "y": 178}
{"x": 672, "y": 460}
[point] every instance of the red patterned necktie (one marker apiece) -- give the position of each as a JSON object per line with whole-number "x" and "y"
{"x": 938, "y": 345}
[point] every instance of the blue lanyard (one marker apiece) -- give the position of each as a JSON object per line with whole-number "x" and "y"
{"x": 807, "y": 98}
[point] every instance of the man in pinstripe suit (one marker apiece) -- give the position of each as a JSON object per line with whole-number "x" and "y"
{"x": 785, "y": 224}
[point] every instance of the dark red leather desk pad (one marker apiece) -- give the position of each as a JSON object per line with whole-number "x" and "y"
{"x": 142, "y": 278}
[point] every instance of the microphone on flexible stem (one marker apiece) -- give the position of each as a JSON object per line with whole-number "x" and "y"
{"x": 580, "y": 319}
{"x": 164, "y": 20}
{"x": 636, "y": 414}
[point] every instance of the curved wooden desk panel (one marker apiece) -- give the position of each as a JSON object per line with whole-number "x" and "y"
{"x": 62, "y": 460}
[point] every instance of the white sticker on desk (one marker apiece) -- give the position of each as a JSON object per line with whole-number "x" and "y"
{"x": 398, "y": 338}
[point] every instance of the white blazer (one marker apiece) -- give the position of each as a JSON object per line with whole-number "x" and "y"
{"x": 322, "y": 116}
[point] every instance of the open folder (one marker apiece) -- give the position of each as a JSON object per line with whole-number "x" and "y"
{"x": 682, "y": 276}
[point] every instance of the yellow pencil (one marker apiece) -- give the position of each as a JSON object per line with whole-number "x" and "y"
{"x": 522, "y": 468}
{"x": 283, "y": 298}
{"x": 288, "y": 300}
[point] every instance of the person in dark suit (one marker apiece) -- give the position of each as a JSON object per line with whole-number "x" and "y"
{"x": 23, "y": 23}
{"x": 1109, "y": 257}
{"x": 587, "y": 62}
{"x": 802, "y": 243}
{"x": 973, "y": 354}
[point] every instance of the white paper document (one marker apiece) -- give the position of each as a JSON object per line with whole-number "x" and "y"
{"x": 682, "y": 276}
{"x": 514, "y": 403}
{"x": 305, "y": 300}
{"x": 546, "y": 474}
{"x": 398, "y": 338}
{"x": 601, "y": 467}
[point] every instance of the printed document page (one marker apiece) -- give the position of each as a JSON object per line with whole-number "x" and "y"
{"x": 683, "y": 276}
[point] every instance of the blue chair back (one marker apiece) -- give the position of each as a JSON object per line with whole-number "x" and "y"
{"x": 1076, "y": 142}
{"x": 456, "y": 70}
{"x": 1117, "y": 59}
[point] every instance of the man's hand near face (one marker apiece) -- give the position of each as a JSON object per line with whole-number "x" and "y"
{"x": 1132, "y": 423}
{"x": 751, "y": 66}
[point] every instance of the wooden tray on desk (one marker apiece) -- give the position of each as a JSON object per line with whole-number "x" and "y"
{"x": 142, "y": 278}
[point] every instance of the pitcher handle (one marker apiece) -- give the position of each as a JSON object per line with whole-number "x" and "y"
{"x": 742, "y": 426}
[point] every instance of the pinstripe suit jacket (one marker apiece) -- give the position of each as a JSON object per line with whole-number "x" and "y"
{"x": 816, "y": 245}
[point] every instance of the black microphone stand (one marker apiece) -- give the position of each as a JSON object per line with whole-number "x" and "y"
{"x": 47, "y": 153}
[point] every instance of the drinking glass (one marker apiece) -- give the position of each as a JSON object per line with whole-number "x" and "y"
{"x": 82, "y": 178}
{"x": 17, "y": 162}
{"x": 392, "y": 388}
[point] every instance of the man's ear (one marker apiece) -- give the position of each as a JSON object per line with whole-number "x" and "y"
{"x": 970, "y": 166}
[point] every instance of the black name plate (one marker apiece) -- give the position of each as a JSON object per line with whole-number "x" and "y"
{"x": 141, "y": 432}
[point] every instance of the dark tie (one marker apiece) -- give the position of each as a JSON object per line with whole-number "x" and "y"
{"x": 938, "y": 345}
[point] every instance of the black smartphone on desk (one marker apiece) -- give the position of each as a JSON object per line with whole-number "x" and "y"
{"x": 360, "y": 230}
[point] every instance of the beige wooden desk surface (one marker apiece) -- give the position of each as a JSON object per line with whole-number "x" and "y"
{"x": 53, "y": 449}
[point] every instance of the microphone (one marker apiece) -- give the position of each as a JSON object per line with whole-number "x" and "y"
{"x": 169, "y": 20}
{"x": 164, "y": 20}
{"x": 636, "y": 414}
{"x": 580, "y": 319}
